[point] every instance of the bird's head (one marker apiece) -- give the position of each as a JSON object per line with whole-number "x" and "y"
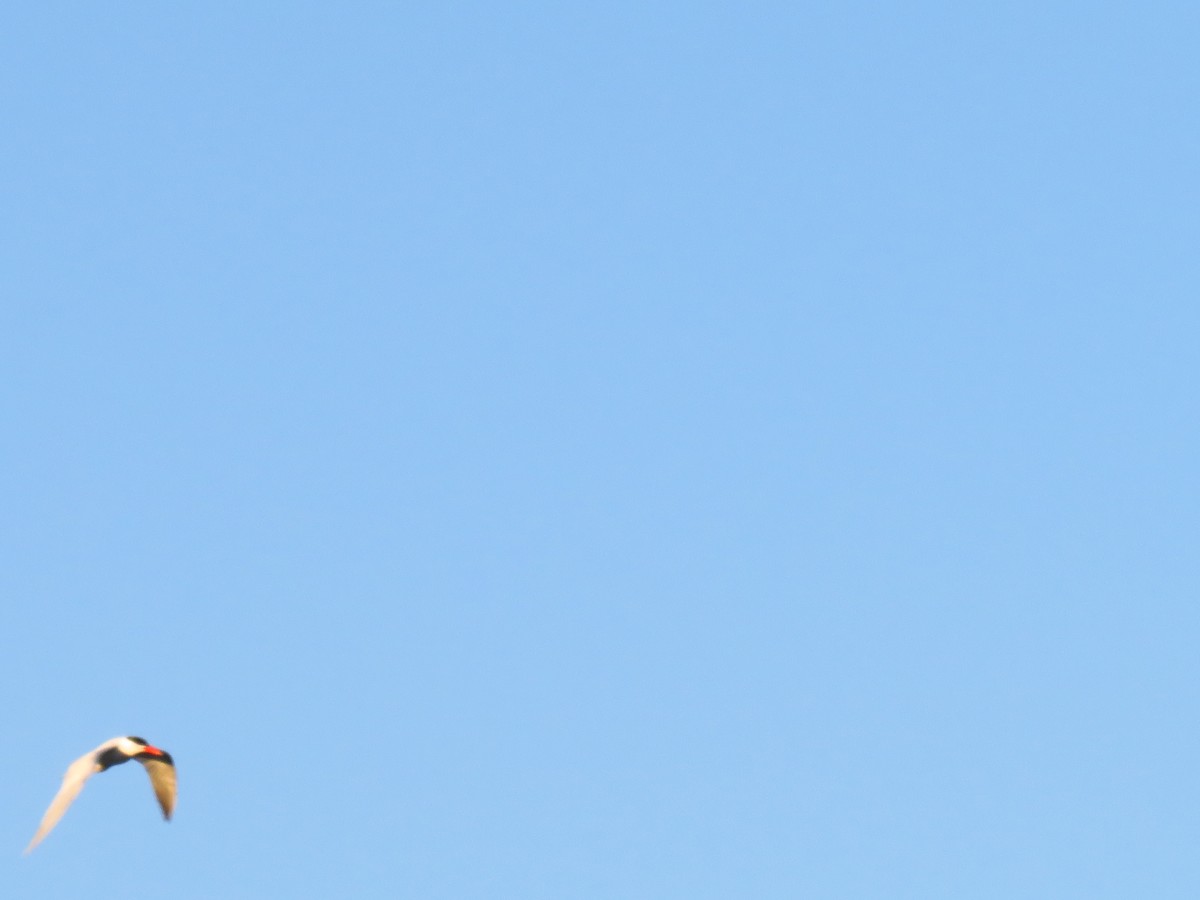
{"x": 136, "y": 746}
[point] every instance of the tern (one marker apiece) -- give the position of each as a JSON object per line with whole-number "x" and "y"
{"x": 158, "y": 763}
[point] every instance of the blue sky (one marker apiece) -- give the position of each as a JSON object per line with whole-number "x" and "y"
{"x": 671, "y": 450}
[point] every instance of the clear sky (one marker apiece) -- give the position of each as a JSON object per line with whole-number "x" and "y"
{"x": 551, "y": 450}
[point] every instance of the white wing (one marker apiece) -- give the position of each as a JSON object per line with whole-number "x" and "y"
{"x": 162, "y": 779}
{"x": 77, "y": 775}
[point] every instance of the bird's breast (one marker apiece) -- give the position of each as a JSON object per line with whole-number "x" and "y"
{"x": 109, "y": 758}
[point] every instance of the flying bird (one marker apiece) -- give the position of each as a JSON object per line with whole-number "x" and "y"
{"x": 158, "y": 763}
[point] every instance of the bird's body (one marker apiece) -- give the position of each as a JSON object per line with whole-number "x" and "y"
{"x": 158, "y": 764}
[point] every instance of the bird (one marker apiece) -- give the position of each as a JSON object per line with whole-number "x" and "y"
{"x": 158, "y": 764}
